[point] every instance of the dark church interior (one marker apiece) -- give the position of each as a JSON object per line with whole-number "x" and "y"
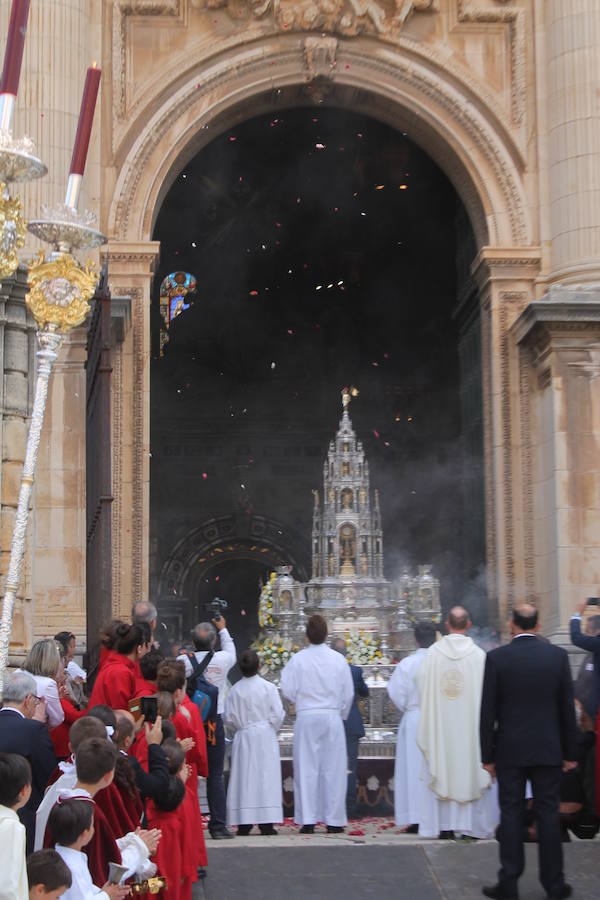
{"x": 324, "y": 246}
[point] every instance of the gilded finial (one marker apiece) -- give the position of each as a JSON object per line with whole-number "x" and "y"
{"x": 347, "y": 394}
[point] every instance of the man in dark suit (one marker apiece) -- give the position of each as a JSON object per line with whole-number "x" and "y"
{"x": 20, "y": 733}
{"x": 589, "y": 640}
{"x": 528, "y": 732}
{"x": 354, "y": 728}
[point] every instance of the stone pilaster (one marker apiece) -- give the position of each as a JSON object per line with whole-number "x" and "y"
{"x": 559, "y": 339}
{"x": 573, "y": 76}
{"x": 506, "y": 284}
{"x": 17, "y": 366}
{"x": 131, "y": 268}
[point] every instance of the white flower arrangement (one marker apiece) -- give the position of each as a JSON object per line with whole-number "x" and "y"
{"x": 265, "y": 604}
{"x": 274, "y": 651}
{"x": 364, "y": 649}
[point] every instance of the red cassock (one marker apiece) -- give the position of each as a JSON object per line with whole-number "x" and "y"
{"x": 115, "y": 683}
{"x": 119, "y": 808}
{"x": 195, "y": 854}
{"x": 199, "y": 735}
{"x": 144, "y": 688}
{"x": 169, "y": 856}
{"x": 60, "y": 734}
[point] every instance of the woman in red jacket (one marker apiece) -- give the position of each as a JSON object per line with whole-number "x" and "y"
{"x": 115, "y": 683}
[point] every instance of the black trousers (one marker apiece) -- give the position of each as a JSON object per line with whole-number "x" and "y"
{"x": 215, "y": 784}
{"x": 352, "y": 748}
{"x": 545, "y": 783}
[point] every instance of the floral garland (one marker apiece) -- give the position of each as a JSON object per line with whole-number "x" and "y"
{"x": 265, "y": 604}
{"x": 364, "y": 650}
{"x": 274, "y": 651}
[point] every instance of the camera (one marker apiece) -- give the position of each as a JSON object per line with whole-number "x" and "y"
{"x": 215, "y": 607}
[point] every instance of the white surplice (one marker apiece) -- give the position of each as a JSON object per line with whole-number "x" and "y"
{"x": 254, "y": 714}
{"x": 413, "y": 800}
{"x": 319, "y": 683}
{"x": 67, "y": 780}
{"x": 82, "y": 886}
{"x": 13, "y": 881}
{"x": 450, "y": 681}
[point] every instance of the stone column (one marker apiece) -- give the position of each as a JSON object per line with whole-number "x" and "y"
{"x": 573, "y": 76}
{"x": 17, "y": 366}
{"x": 559, "y": 341}
{"x": 131, "y": 268}
{"x": 506, "y": 284}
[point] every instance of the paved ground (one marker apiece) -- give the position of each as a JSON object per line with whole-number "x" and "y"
{"x": 380, "y": 863}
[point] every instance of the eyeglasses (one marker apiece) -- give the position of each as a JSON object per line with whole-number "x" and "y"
{"x": 35, "y": 697}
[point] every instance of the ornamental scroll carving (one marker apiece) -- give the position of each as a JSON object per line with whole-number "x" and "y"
{"x": 344, "y": 17}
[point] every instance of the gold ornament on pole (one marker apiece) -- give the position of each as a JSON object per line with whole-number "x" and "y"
{"x": 60, "y": 291}
{"x": 12, "y": 232}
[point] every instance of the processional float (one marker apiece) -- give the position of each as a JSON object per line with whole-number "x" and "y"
{"x": 60, "y": 287}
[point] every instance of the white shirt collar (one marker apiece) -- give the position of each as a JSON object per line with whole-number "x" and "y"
{"x": 12, "y": 709}
{"x": 524, "y": 634}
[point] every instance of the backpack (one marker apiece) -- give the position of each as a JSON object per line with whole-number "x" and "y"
{"x": 204, "y": 694}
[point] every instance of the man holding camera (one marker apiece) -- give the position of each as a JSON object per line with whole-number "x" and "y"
{"x": 204, "y": 636}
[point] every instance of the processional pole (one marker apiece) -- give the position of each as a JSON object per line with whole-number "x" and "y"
{"x": 60, "y": 287}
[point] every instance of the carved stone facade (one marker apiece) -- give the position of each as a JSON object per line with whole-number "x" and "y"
{"x": 501, "y": 93}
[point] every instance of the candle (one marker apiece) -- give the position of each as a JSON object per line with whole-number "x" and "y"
{"x": 15, "y": 44}
{"x": 82, "y": 138}
{"x": 86, "y": 117}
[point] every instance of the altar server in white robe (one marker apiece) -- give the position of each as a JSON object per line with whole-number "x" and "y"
{"x": 412, "y": 796}
{"x": 450, "y": 682}
{"x": 254, "y": 714}
{"x": 318, "y": 681}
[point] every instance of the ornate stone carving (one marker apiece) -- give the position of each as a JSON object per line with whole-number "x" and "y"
{"x": 137, "y": 512}
{"x": 320, "y": 56}
{"x": 416, "y": 76}
{"x": 149, "y": 7}
{"x": 345, "y": 17}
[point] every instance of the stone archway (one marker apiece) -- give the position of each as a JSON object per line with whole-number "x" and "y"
{"x": 238, "y": 537}
{"x": 463, "y": 128}
{"x": 213, "y": 544}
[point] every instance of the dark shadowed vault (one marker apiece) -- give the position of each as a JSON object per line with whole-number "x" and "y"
{"x": 328, "y": 249}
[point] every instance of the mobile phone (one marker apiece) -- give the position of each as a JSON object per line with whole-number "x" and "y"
{"x": 593, "y": 601}
{"x": 149, "y": 707}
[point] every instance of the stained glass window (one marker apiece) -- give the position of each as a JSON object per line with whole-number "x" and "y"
{"x": 174, "y": 290}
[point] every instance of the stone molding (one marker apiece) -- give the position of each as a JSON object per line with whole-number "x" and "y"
{"x": 445, "y": 107}
{"x": 505, "y": 264}
{"x": 136, "y": 295}
{"x": 558, "y": 316}
{"x": 514, "y": 18}
{"x": 351, "y": 18}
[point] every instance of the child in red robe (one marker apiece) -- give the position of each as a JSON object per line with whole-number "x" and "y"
{"x": 168, "y": 814}
{"x": 171, "y": 678}
{"x": 95, "y": 762}
{"x": 148, "y": 665}
{"x": 116, "y": 680}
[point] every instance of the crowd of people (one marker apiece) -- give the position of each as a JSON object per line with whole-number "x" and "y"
{"x": 99, "y": 795}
